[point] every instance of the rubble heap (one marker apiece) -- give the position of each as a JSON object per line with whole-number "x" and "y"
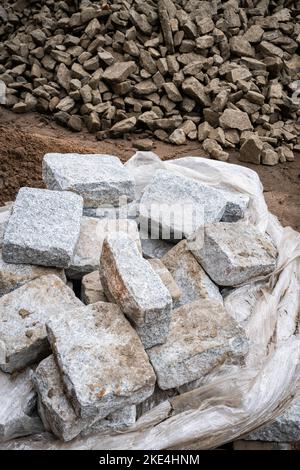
{"x": 222, "y": 73}
{"x": 143, "y": 326}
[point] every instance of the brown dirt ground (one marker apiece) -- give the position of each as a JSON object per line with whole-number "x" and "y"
{"x": 24, "y": 139}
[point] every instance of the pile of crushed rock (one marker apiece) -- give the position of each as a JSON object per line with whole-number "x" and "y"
{"x": 223, "y": 73}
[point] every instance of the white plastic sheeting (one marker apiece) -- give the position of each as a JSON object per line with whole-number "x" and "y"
{"x": 271, "y": 309}
{"x": 236, "y": 400}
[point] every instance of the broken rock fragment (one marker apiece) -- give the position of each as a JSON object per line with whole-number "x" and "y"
{"x": 23, "y": 338}
{"x": 13, "y": 276}
{"x": 130, "y": 281}
{"x": 202, "y": 336}
{"x": 18, "y": 400}
{"x": 119, "y": 71}
{"x": 193, "y": 88}
{"x": 102, "y": 179}
{"x": 166, "y": 278}
{"x": 89, "y": 246}
{"x": 192, "y": 280}
{"x": 58, "y": 414}
{"x": 234, "y": 253}
{"x": 251, "y": 150}
{"x": 103, "y": 364}
{"x": 43, "y": 228}
{"x": 215, "y": 150}
{"x": 236, "y": 206}
{"x": 153, "y": 248}
{"x": 235, "y": 119}
{"x": 177, "y": 137}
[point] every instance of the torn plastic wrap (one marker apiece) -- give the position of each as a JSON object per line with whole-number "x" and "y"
{"x": 234, "y": 401}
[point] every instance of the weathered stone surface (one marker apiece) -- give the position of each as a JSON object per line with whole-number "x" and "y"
{"x": 202, "y": 336}
{"x": 154, "y": 248}
{"x": 23, "y": 338}
{"x": 241, "y": 47}
{"x": 143, "y": 144}
{"x": 102, "y": 179}
{"x": 165, "y": 25}
{"x": 58, "y": 413}
{"x": 4, "y": 216}
{"x": 236, "y": 205}
{"x": 203, "y": 131}
{"x": 172, "y": 92}
{"x": 177, "y": 137}
{"x": 116, "y": 421}
{"x": 191, "y": 279}
{"x": 215, "y": 150}
{"x": 91, "y": 289}
{"x": 130, "y": 281}
{"x": 89, "y": 246}
{"x": 159, "y": 396}
{"x": 251, "y": 150}
{"x": 125, "y": 211}
{"x": 18, "y": 400}
{"x": 177, "y": 206}
{"x": 285, "y": 428}
{"x": 13, "y": 276}
{"x": 103, "y": 364}
{"x": 166, "y": 278}
{"x": 43, "y": 228}
{"x": 235, "y": 119}
{"x": 234, "y": 253}
{"x": 119, "y": 71}
{"x": 121, "y": 127}
{"x": 269, "y": 157}
{"x": 193, "y": 88}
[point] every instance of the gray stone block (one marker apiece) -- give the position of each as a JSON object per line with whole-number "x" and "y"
{"x": 130, "y": 281}
{"x": 234, "y": 253}
{"x": 125, "y": 211}
{"x": 43, "y": 228}
{"x": 176, "y": 206}
{"x": 99, "y": 179}
{"x": 285, "y": 428}
{"x": 102, "y": 361}
{"x": 17, "y": 403}
{"x": 89, "y": 245}
{"x": 236, "y": 206}
{"x": 58, "y": 414}
{"x": 154, "y": 248}
{"x": 202, "y": 337}
{"x": 23, "y": 338}
{"x": 191, "y": 279}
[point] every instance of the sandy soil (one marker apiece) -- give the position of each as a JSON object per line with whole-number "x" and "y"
{"x": 24, "y": 139}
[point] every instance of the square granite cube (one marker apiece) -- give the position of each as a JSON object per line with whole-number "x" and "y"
{"x": 102, "y": 362}
{"x": 43, "y": 228}
{"x": 174, "y": 206}
{"x": 99, "y": 179}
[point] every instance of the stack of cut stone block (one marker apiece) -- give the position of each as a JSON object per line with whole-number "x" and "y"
{"x": 139, "y": 327}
